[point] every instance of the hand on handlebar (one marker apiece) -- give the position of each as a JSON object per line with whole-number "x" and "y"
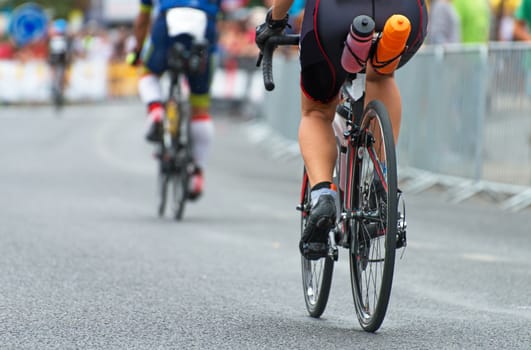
{"x": 268, "y": 29}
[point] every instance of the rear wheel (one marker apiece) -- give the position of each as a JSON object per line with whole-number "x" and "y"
{"x": 163, "y": 181}
{"x": 316, "y": 274}
{"x": 373, "y": 192}
{"x": 179, "y": 184}
{"x": 182, "y": 144}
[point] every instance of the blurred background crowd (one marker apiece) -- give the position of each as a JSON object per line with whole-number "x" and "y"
{"x": 102, "y": 30}
{"x": 478, "y": 21}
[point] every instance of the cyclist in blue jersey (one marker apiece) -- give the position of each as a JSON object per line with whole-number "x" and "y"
{"x": 177, "y": 21}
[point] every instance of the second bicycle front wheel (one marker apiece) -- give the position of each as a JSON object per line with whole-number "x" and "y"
{"x": 58, "y": 87}
{"x": 316, "y": 274}
{"x": 373, "y": 193}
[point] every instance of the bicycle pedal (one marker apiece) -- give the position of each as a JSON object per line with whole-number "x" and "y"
{"x": 401, "y": 239}
{"x": 334, "y": 254}
{"x": 340, "y": 238}
{"x": 314, "y": 250}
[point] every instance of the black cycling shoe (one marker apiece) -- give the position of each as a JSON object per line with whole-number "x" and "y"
{"x": 322, "y": 218}
{"x": 196, "y": 183}
{"x": 154, "y": 133}
{"x": 314, "y": 251}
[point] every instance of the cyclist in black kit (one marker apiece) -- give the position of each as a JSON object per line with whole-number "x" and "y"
{"x": 325, "y": 26}
{"x": 59, "y": 52}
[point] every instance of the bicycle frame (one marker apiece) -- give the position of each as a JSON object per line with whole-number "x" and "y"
{"x": 175, "y": 120}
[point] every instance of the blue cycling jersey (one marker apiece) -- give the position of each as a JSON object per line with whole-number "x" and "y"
{"x": 211, "y": 7}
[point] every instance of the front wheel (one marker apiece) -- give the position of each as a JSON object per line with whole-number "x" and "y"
{"x": 58, "y": 87}
{"x": 316, "y": 274}
{"x": 373, "y": 195}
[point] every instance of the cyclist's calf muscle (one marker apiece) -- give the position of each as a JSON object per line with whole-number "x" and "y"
{"x": 384, "y": 88}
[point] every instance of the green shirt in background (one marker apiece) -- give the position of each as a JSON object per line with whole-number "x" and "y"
{"x": 523, "y": 12}
{"x": 475, "y": 20}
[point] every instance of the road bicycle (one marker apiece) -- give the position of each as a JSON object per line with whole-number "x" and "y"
{"x": 176, "y": 163}
{"x": 369, "y": 224}
{"x": 58, "y": 60}
{"x": 58, "y": 85}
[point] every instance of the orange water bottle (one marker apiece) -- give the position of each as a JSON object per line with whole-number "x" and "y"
{"x": 391, "y": 44}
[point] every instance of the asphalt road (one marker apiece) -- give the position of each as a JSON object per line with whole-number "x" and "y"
{"x": 85, "y": 263}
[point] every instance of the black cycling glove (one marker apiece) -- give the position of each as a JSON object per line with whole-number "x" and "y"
{"x": 269, "y": 28}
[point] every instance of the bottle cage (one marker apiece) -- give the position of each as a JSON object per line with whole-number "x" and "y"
{"x": 381, "y": 64}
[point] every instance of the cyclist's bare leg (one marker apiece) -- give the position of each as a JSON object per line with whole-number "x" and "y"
{"x": 316, "y": 139}
{"x": 149, "y": 87}
{"x": 384, "y": 88}
{"x": 150, "y": 90}
{"x": 200, "y": 110}
{"x": 202, "y": 132}
{"x": 202, "y": 127}
{"x": 319, "y": 151}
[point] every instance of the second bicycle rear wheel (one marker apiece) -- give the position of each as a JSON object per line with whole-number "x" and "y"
{"x": 179, "y": 192}
{"x": 316, "y": 274}
{"x": 182, "y": 144}
{"x": 163, "y": 180}
{"x": 373, "y": 192}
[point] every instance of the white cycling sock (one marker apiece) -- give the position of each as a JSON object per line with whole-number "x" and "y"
{"x": 202, "y": 129}
{"x": 150, "y": 89}
{"x": 317, "y": 193}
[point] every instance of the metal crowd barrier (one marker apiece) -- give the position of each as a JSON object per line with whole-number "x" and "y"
{"x": 466, "y": 121}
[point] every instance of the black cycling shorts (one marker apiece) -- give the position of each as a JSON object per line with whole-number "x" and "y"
{"x": 325, "y": 27}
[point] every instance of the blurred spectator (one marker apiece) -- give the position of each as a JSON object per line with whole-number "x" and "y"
{"x": 7, "y": 50}
{"x": 228, "y": 6}
{"x": 123, "y": 42}
{"x": 503, "y": 19}
{"x": 296, "y": 13}
{"x": 523, "y": 21}
{"x": 237, "y": 37}
{"x": 94, "y": 43}
{"x": 475, "y": 20}
{"x": 34, "y": 50}
{"x": 444, "y": 26}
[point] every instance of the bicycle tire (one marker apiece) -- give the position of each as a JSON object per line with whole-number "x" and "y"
{"x": 57, "y": 88}
{"x": 163, "y": 180}
{"x": 316, "y": 274}
{"x": 373, "y": 192}
{"x": 183, "y": 161}
{"x": 179, "y": 182}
